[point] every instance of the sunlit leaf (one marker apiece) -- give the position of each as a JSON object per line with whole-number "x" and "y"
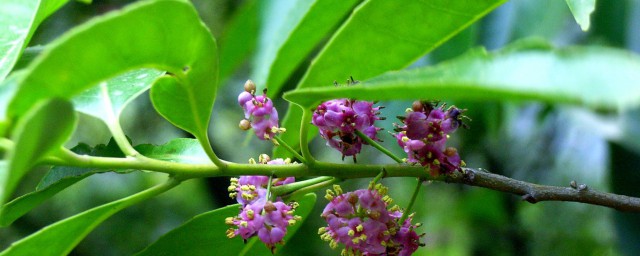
{"x": 42, "y": 130}
{"x": 8, "y": 88}
{"x": 205, "y": 234}
{"x": 381, "y": 36}
{"x": 598, "y": 77}
{"x": 61, "y": 237}
{"x": 290, "y": 31}
{"x": 581, "y": 10}
{"x": 107, "y": 100}
{"x": 18, "y": 21}
{"x": 185, "y": 97}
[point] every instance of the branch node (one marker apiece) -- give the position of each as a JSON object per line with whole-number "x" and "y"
{"x": 583, "y": 187}
{"x": 529, "y": 198}
{"x": 469, "y": 176}
{"x": 573, "y": 184}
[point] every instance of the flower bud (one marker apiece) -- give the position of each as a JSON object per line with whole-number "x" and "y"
{"x": 244, "y": 124}
{"x": 250, "y": 87}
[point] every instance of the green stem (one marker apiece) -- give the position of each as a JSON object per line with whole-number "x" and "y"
{"x": 269, "y": 188}
{"x": 113, "y": 123}
{"x": 181, "y": 171}
{"x": 304, "y": 132}
{"x": 286, "y": 189}
{"x": 379, "y": 176}
{"x": 413, "y": 199}
{"x": 378, "y": 146}
{"x": 312, "y": 188}
{"x": 185, "y": 171}
{"x": 208, "y": 149}
{"x": 289, "y": 148}
{"x": 121, "y": 139}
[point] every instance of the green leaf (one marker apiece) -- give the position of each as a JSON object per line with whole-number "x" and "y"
{"x": 185, "y": 97}
{"x": 581, "y": 10}
{"x": 56, "y": 180}
{"x": 41, "y": 131}
{"x": 8, "y": 89}
{"x": 381, "y": 36}
{"x": 18, "y": 21}
{"x": 178, "y": 150}
{"x": 205, "y": 234}
{"x": 61, "y": 237}
{"x": 597, "y": 77}
{"x": 238, "y": 39}
{"x": 107, "y": 100}
{"x": 291, "y": 30}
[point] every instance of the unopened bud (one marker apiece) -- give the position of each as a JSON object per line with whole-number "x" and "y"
{"x": 250, "y": 87}
{"x": 416, "y": 106}
{"x": 244, "y": 124}
{"x": 269, "y": 207}
{"x": 264, "y": 158}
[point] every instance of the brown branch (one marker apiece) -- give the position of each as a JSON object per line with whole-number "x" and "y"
{"x": 534, "y": 193}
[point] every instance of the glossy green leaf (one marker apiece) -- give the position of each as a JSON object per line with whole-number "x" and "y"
{"x": 56, "y": 180}
{"x": 107, "y": 100}
{"x": 42, "y": 130}
{"x": 238, "y": 39}
{"x": 205, "y": 234}
{"x": 291, "y": 30}
{"x": 381, "y": 36}
{"x": 597, "y": 77}
{"x": 581, "y": 10}
{"x": 8, "y": 89}
{"x": 106, "y": 47}
{"x": 61, "y": 237}
{"x": 178, "y": 150}
{"x": 18, "y": 21}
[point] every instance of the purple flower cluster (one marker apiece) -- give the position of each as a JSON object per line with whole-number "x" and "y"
{"x": 260, "y": 110}
{"x": 339, "y": 119}
{"x": 363, "y": 222}
{"x": 259, "y": 215}
{"x": 424, "y": 133}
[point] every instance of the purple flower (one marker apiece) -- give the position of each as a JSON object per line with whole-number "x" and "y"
{"x": 339, "y": 119}
{"x": 259, "y": 113}
{"x": 424, "y": 133}
{"x": 406, "y": 241}
{"x": 258, "y": 215}
{"x": 363, "y": 222}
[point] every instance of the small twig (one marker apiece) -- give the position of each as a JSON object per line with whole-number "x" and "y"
{"x": 304, "y": 131}
{"x": 378, "y": 146}
{"x": 289, "y": 148}
{"x": 534, "y": 193}
{"x": 413, "y": 200}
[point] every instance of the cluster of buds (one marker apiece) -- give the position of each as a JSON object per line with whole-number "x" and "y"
{"x": 424, "y": 133}
{"x": 364, "y": 223}
{"x": 339, "y": 119}
{"x": 259, "y": 112}
{"x": 258, "y": 215}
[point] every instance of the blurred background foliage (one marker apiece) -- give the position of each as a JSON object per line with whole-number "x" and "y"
{"x": 529, "y": 141}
